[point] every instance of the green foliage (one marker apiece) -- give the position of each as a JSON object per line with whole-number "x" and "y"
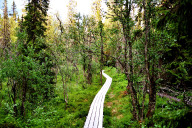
{"x": 35, "y": 19}
{"x": 72, "y": 51}
{"x": 117, "y": 109}
{"x": 177, "y": 22}
{"x": 55, "y": 112}
{"x": 171, "y": 114}
{"x": 116, "y": 112}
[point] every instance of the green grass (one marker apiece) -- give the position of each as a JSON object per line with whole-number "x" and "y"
{"x": 55, "y": 113}
{"x": 117, "y": 109}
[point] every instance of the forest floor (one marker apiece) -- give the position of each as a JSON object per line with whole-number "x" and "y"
{"x": 55, "y": 113}
{"x": 118, "y": 108}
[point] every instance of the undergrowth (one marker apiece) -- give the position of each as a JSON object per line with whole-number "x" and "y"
{"x": 55, "y": 113}
{"x": 117, "y": 108}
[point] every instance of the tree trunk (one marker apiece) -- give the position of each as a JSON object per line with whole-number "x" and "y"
{"x": 84, "y": 66}
{"x": 24, "y": 91}
{"x": 56, "y": 73}
{"x": 84, "y": 59}
{"x": 152, "y": 97}
{"x": 147, "y": 80}
{"x": 159, "y": 66}
{"x": 101, "y": 62}
{"x": 14, "y": 98}
{"x": 89, "y": 68}
{"x": 130, "y": 75}
{"x": 65, "y": 92}
{"x": 130, "y": 83}
{"x": 129, "y": 64}
{"x": 6, "y": 26}
{"x": 152, "y": 91}
{"x": 64, "y": 88}
{"x": 89, "y": 72}
{"x": 1, "y": 86}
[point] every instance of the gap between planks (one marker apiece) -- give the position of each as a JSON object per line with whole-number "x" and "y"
{"x": 95, "y": 115}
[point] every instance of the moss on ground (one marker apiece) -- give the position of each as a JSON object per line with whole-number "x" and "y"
{"x": 117, "y": 108}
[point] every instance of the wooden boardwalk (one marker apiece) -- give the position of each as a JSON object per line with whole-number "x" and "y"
{"x": 95, "y": 115}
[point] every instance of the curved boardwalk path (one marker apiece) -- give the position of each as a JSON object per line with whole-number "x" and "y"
{"x": 95, "y": 115}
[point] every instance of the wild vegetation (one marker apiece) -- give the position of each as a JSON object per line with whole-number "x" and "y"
{"x": 50, "y": 69}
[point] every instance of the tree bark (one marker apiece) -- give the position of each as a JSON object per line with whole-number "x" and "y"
{"x": 1, "y": 86}
{"x": 89, "y": 68}
{"x": 128, "y": 44}
{"x": 64, "y": 88}
{"x": 24, "y": 91}
{"x": 101, "y": 61}
{"x": 6, "y": 31}
{"x": 152, "y": 87}
{"x": 14, "y": 98}
{"x": 130, "y": 83}
{"x": 152, "y": 97}
{"x": 130, "y": 75}
{"x": 123, "y": 14}
{"x": 147, "y": 80}
{"x": 89, "y": 72}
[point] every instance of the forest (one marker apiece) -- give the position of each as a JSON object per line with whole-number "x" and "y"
{"x": 51, "y": 69}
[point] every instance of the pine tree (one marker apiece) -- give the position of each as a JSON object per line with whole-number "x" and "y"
{"x": 97, "y": 11}
{"x": 14, "y": 12}
{"x": 35, "y": 19}
{"x": 36, "y": 48}
{"x": 6, "y": 33}
{"x": 1, "y": 29}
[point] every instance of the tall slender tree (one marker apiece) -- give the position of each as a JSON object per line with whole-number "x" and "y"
{"x": 149, "y": 77}
{"x": 14, "y": 11}
{"x": 100, "y": 24}
{"x": 97, "y": 11}
{"x": 6, "y": 26}
{"x": 1, "y": 30}
{"x": 122, "y": 12}
{"x": 34, "y": 25}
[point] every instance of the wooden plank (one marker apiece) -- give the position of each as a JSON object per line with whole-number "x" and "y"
{"x": 95, "y": 115}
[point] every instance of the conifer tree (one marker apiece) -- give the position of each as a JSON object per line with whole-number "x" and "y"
{"x": 36, "y": 18}
{"x": 14, "y": 12}
{"x": 34, "y": 25}
{"x": 96, "y": 8}
{"x": 1, "y": 28}
{"x": 6, "y": 33}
